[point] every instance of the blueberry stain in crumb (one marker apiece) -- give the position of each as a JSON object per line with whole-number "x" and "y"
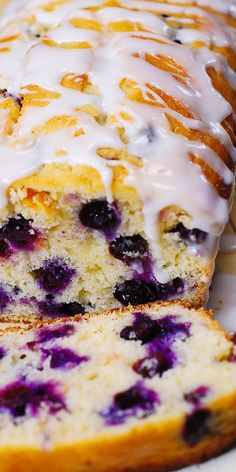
{"x": 23, "y": 398}
{"x": 197, "y": 426}
{"x": 158, "y": 336}
{"x": 5, "y": 248}
{"x": 45, "y": 335}
{"x": 195, "y": 397}
{"x": 2, "y": 353}
{"x": 137, "y": 401}
{"x": 54, "y": 276}
{"x": 63, "y": 358}
{"x": 5, "y": 298}
{"x": 155, "y": 364}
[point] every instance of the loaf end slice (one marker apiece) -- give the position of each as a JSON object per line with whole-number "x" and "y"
{"x": 147, "y": 388}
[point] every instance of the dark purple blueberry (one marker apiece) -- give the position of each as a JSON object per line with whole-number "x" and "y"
{"x": 5, "y": 248}
{"x": 145, "y": 329}
{"x": 133, "y": 397}
{"x": 2, "y": 353}
{"x": 196, "y": 426}
{"x": 177, "y": 41}
{"x": 100, "y": 215}
{"x": 64, "y": 358}
{"x": 54, "y": 309}
{"x": 5, "y": 298}
{"x": 168, "y": 329}
{"x": 136, "y": 292}
{"x": 137, "y": 401}
{"x": 196, "y": 396}
{"x": 195, "y": 236}
{"x": 19, "y": 232}
{"x": 171, "y": 289}
{"x": 54, "y": 276}
{"x": 129, "y": 248}
{"x": 156, "y": 364}
{"x": 21, "y": 398}
{"x": 45, "y": 335}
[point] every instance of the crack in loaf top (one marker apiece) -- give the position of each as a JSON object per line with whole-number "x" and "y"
{"x": 148, "y": 85}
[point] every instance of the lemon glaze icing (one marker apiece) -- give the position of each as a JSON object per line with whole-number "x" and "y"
{"x": 48, "y": 41}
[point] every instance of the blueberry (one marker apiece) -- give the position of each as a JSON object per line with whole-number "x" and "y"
{"x": 45, "y": 335}
{"x": 156, "y": 364}
{"x": 64, "y": 358}
{"x": 171, "y": 289}
{"x": 177, "y": 41}
{"x": 195, "y": 397}
{"x": 196, "y": 426}
{"x": 21, "y": 398}
{"x": 19, "y": 232}
{"x": 164, "y": 330}
{"x": 2, "y": 353}
{"x": 195, "y": 236}
{"x": 5, "y": 298}
{"x": 5, "y": 248}
{"x": 71, "y": 309}
{"x": 54, "y": 276}
{"x": 130, "y": 398}
{"x": 143, "y": 329}
{"x": 54, "y": 309}
{"x": 137, "y": 401}
{"x": 136, "y": 292}
{"x": 100, "y": 215}
{"x": 129, "y": 248}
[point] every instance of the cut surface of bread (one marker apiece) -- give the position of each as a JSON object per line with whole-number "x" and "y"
{"x": 116, "y": 151}
{"x": 136, "y": 390}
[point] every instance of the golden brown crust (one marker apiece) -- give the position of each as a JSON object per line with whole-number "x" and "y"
{"x": 23, "y": 324}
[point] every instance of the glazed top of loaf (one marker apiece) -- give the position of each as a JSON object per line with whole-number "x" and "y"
{"x": 149, "y": 85}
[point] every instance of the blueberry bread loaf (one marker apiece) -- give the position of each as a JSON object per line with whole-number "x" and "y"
{"x": 152, "y": 389}
{"x": 116, "y": 151}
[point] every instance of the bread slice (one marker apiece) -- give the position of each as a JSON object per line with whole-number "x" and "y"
{"x": 116, "y": 151}
{"x": 151, "y": 389}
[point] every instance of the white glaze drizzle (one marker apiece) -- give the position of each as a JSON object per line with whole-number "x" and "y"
{"x": 168, "y": 177}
